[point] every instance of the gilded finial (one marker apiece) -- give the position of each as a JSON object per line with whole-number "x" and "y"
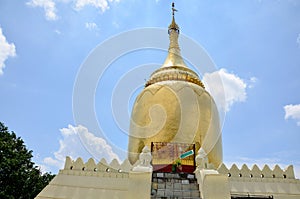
{"x": 173, "y": 24}
{"x": 173, "y": 8}
{"x": 174, "y": 67}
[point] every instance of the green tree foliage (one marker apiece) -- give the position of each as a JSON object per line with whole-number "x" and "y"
{"x": 19, "y": 177}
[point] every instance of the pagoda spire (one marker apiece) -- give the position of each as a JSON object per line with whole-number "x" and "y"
{"x": 173, "y": 25}
{"x": 174, "y": 57}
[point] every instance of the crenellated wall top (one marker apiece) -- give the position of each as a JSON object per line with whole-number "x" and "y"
{"x": 101, "y": 167}
{"x": 255, "y": 172}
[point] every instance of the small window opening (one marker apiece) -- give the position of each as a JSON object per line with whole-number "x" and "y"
{"x": 262, "y": 175}
{"x": 284, "y": 176}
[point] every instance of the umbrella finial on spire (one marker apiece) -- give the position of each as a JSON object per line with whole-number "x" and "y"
{"x": 173, "y": 8}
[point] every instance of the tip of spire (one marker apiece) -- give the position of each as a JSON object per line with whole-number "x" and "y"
{"x": 173, "y": 25}
{"x": 173, "y": 9}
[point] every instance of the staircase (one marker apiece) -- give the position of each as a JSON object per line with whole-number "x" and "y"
{"x": 174, "y": 186}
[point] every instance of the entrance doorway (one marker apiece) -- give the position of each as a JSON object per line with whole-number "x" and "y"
{"x": 173, "y": 157}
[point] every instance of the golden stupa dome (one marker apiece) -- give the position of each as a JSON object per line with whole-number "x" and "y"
{"x": 174, "y": 107}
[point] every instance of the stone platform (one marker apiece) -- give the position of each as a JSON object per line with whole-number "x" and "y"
{"x": 174, "y": 186}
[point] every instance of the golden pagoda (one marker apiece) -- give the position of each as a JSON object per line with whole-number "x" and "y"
{"x": 173, "y": 119}
{"x": 174, "y": 107}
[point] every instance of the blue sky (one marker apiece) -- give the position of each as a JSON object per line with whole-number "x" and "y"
{"x": 255, "y": 45}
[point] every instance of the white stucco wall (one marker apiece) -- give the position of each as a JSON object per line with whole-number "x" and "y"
{"x": 108, "y": 181}
{"x": 276, "y": 182}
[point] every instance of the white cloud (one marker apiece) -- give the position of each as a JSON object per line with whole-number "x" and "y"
{"x": 51, "y": 10}
{"x": 100, "y": 4}
{"x": 298, "y": 40}
{"x": 252, "y": 82}
{"x": 115, "y": 24}
{"x": 226, "y": 88}
{"x": 43, "y": 168}
{"x": 6, "y": 50}
{"x": 292, "y": 111}
{"x": 57, "y": 32}
{"x": 91, "y": 26}
{"x": 74, "y": 143}
{"x": 53, "y": 162}
{"x": 48, "y": 5}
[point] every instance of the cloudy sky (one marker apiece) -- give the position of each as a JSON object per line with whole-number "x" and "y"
{"x": 254, "y": 44}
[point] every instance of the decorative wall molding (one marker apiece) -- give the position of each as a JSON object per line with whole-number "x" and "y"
{"x": 102, "y": 168}
{"x": 81, "y": 179}
{"x": 255, "y": 172}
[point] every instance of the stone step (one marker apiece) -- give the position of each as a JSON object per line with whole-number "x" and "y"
{"x": 174, "y": 175}
{"x": 175, "y": 186}
{"x": 175, "y": 193}
{"x": 183, "y": 181}
{"x": 174, "y": 197}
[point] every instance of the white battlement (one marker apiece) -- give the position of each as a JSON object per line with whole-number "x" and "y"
{"x": 255, "y": 172}
{"x": 90, "y": 180}
{"x": 101, "y": 166}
